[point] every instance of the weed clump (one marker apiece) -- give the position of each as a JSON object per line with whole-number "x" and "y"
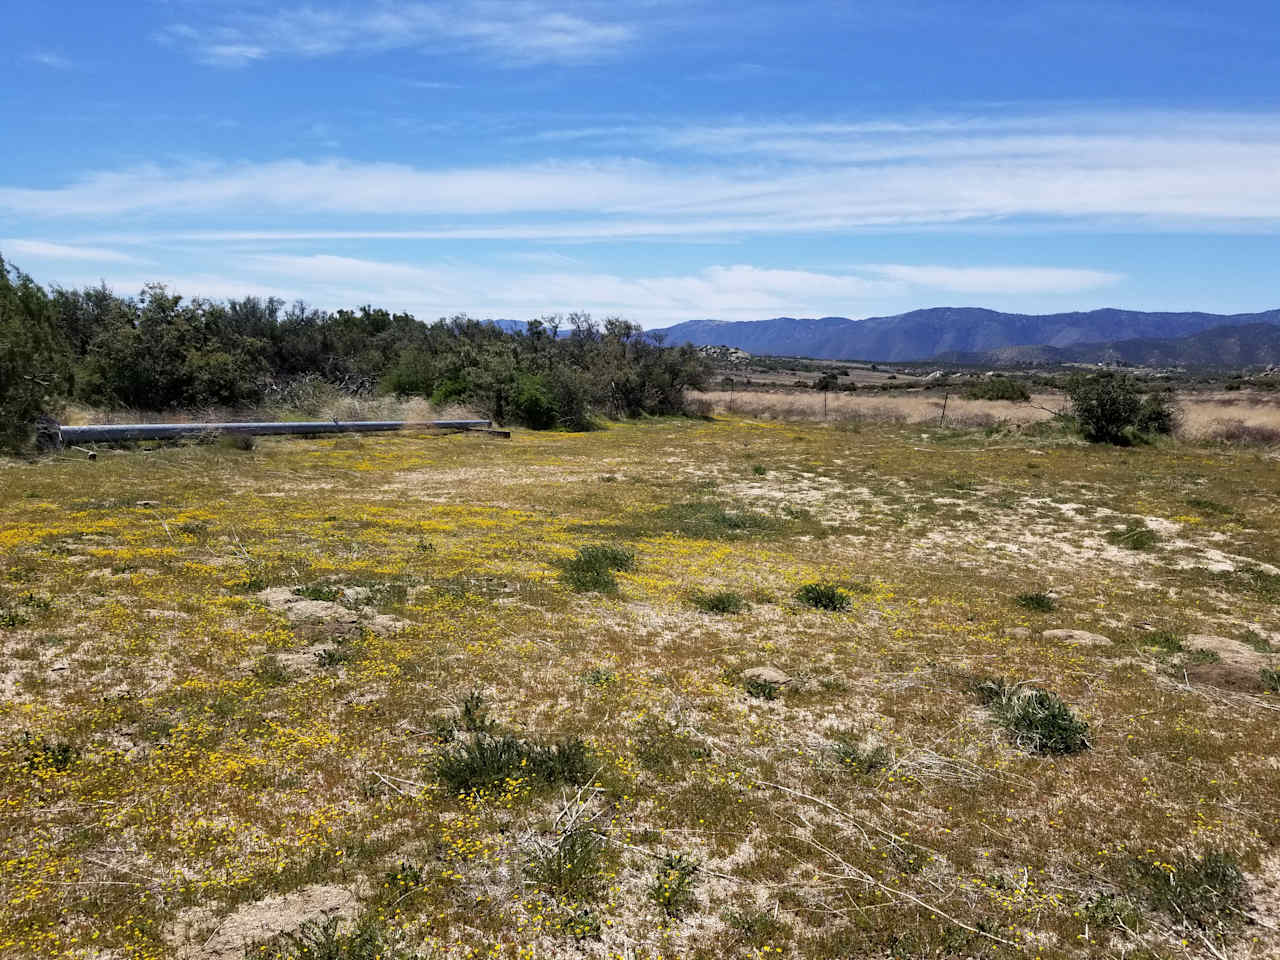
{"x": 327, "y": 940}
{"x": 1206, "y": 891}
{"x": 1134, "y": 535}
{"x": 599, "y": 677}
{"x": 721, "y": 602}
{"x": 44, "y": 754}
{"x": 1037, "y": 719}
{"x": 1035, "y": 602}
{"x": 473, "y": 714}
{"x": 318, "y": 591}
{"x": 333, "y": 657}
{"x": 853, "y": 755}
{"x": 591, "y": 569}
{"x": 270, "y": 671}
{"x": 761, "y": 689}
{"x": 1270, "y": 680}
{"x": 673, "y": 886}
{"x": 488, "y": 760}
{"x": 571, "y": 867}
{"x": 824, "y": 596}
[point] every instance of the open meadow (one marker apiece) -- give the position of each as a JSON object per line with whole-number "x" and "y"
{"x": 677, "y": 688}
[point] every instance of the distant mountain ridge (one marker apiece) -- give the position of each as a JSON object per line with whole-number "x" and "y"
{"x": 925, "y": 334}
{"x": 1231, "y": 346}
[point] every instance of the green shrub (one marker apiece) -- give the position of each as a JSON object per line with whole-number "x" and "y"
{"x": 1134, "y": 535}
{"x": 33, "y": 359}
{"x": 1037, "y": 719}
{"x": 761, "y": 689}
{"x": 824, "y": 596}
{"x": 1270, "y": 680}
{"x": 328, "y": 940}
{"x": 998, "y": 388}
{"x": 333, "y": 657}
{"x": 1206, "y": 891}
{"x": 1036, "y": 602}
{"x": 1165, "y": 640}
{"x": 591, "y": 569}
{"x": 318, "y": 591}
{"x": 1109, "y": 408}
{"x": 473, "y": 714}
{"x": 44, "y": 754}
{"x": 673, "y": 887}
{"x": 270, "y": 671}
{"x": 722, "y": 602}
{"x": 570, "y": 868}
{"x": 599, "y": 677}
{"x": 852, "y": 754}
{"x": 488, "y": 760}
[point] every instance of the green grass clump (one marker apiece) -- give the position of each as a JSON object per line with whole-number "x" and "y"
{"x": 570, "y": 868}
{"x": 318, "y": 591}
{"x": 1165, "y": 640}
{"x": 722, "y": 602}
{"x": 333, "y": 657}
{"x": 270, "y": 671}
{"x": 599, "y": 677}
{"x": 44, "y": 754}
{"x": 473, "y": 714}
{"x": 328, "y": 940}
{"x": 1035, "y": 602}
{"x": 761, "y": 689}
{"x": 488, "y": 760}
{"x": 591, "y": 569}
{"x": 1270, "y": 680}
{"x": 673, "y": 887}
{"x": 853, "y": 755}
{"x": 1134, "y": 535}
{"x": 1205, "y": 892}
{"x": 824, "y": 596}
{"x": 1037, "y": 719}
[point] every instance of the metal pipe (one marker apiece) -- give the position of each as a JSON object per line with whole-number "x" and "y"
{"x": 103, "y": 433}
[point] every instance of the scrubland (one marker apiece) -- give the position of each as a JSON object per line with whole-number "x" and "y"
{"x": 1239, "y": 417}
{"x": 685, "y": 688}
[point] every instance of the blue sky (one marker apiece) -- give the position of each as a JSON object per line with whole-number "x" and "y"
{"x": 657, "y": 160}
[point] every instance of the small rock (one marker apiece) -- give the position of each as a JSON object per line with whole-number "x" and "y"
{"x": 148, "y": 503}
{"x": 1077, "y": 638}
{"x": 1231, "y": 652}
{"x": 766, "y": 675}
{"x": 1018, "y": 633}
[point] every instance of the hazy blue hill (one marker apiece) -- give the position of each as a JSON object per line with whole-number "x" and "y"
{"x": 921, "y": 334}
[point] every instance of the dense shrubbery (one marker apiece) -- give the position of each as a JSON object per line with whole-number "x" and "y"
{"x": 998, "y": 388}
{"x": 160, "y": 351}
{"x": 33, "y": 358}
{"x": 1109, "y": 408}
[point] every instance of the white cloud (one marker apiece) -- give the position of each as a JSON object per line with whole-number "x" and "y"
{"x": 731, "y": 292}
{"x": 45, "y": 250}
{"x": 1148, "y": 169}
{"x": 510, "y": 32}
{"x": 1000, "y": 280}
{"x": 48, "y": 58}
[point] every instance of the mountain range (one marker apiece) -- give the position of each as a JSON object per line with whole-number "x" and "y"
{"x": 977, "y": 335}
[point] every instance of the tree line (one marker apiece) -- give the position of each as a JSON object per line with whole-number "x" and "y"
{"x": 162, "y": 351}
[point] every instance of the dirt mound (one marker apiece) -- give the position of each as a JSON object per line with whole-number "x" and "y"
{"x": 257, "y": 921}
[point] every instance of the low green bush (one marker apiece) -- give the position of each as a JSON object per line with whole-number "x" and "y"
{"x": 721, "y": 601}
{"x": 1208, "y": 891}
{"x": 673, "y": 885}
{"x": 488, "y": 760}
{"x": 591, "y": 569}
{"x": 824, "y": 596}
{"x": 1037, "y": 719}
{"x": 1035, "y": 602}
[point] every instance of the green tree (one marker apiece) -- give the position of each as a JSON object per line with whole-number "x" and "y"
{"x": 33, "y": 358}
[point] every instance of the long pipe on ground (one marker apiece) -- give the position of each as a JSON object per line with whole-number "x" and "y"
{"x": 105, "y": 433}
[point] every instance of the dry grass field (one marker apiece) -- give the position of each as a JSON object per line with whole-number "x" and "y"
{"x": 672, "y": 689}
{"x": 1247, "y": 417}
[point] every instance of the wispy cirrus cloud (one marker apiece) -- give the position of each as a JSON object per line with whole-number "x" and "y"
{"x": 508, "y": 32}
{"x": 1134, "y": 171}
{"x": 47, "y": 58}
{"x": 47, "y": 250}
{"x": 999, "y": 280}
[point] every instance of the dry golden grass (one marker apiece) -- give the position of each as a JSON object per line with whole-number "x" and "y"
{"x": 183, "y": 767}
